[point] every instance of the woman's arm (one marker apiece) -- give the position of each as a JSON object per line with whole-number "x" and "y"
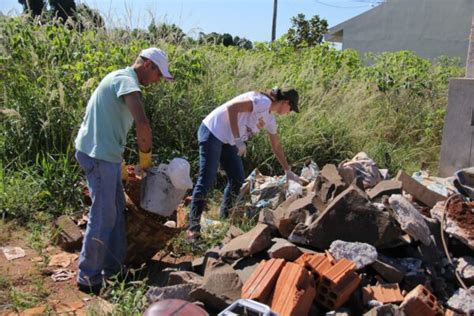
{"x": 278, "y": 151}
{"x": 233, "y": 110}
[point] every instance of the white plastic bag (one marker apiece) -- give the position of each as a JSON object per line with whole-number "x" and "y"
{"x": 178, "y": 172}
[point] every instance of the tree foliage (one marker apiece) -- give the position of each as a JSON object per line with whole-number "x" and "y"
{"x": 34, "y": 7}
{"x": 307, "y": 33}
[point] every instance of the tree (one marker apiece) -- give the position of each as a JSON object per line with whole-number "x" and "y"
{"x": 63, "y": 9}
{"x": 306, "y": 33}
{"x": 33, "y": 7}
{"x": 88, "y": 17}
{"x": 169, "y": 32}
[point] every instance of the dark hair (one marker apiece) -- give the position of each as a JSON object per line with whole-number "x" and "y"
{"x": 289, "y": 94}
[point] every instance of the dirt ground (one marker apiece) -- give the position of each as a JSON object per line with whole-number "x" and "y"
{"x": 27, "y": 288}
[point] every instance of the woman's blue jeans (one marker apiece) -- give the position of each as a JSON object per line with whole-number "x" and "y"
{"x": 212, "y": 152}
{"x": 105, "y": 241}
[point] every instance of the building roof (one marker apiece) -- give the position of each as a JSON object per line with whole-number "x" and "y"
{"x": 336, "y": 33}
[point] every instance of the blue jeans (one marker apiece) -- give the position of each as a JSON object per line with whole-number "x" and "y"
{"x": 212, "y": 152}
{"x": 105, "y": 241}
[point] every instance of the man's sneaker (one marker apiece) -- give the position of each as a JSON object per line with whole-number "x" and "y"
{"x": 90, "y": 289}
{"x": 192, "y": 236}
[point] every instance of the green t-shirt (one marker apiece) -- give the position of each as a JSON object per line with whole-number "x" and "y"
{"x": 103, "y": 133}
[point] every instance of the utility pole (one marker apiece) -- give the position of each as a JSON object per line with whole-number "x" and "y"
{"x": 275, "y": 4}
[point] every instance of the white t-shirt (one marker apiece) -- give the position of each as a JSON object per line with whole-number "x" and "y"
{"x": 249, "y": 123}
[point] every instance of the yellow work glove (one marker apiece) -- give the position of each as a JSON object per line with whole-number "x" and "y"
{"x": 144, "y": 159}
{"x": 123, "y": 171}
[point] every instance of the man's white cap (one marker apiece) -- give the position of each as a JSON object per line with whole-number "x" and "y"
{"x": 159, "y": 58}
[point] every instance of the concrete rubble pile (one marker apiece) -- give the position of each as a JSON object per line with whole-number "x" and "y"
{"x": 350, "y": 241}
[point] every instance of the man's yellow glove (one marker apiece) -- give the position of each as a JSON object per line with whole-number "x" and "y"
{"x": 144, "y": 159}
{"x": 123, "y": 171}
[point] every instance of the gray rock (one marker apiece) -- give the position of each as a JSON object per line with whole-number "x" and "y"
{"x": 184, "y": 277}
{"x": 284, "y": 249}
{"x": 385, "y": 310}
{"x": 232, "y": 233}
{"x": 465, "y": 268}
{"x": 463, "y": 301}
{"x": 256, "y": 240}
{"x": 349, "y": 217}
{"x": 411, "y": 221}
{"x": 245, "y": 267}
{"x": 222, "y": 279}
{"x": 360, "y": 253}
{"x": 389, "y": 269}
{"x": 217, "y": 302}
{"x": 180, "y": 291}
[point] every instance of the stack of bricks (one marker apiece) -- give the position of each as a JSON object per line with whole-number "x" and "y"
{"x": 290, "y": 288}
{"x": 420, "y": 301}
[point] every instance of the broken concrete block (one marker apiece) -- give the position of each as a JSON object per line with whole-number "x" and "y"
{"x": 294, "y": 291}
{"x": 232, "y": 233}
{"x": 384, "y": 293}
{"x": 361, "y": 254}
{"x": 385, "y": 187}
{"x": 420, "y": 301}
{"x": 411, "y": 221}
{"x": 465, "y": 268}
{"x": 389, "y": 269}
{"x": 385, "y": 310}
{"x": 262, "y": 282}
{"x": 245, "y": 267}
{"x": 180, "y": 291}
{"x": 255, "y": 240}
{"x": 217, "y": 302}
{"x": 299, "y": 211}
{"x": 418, "y": 190}
{"x": 223, "y": 280}
{"x": 184, "y": 277}
{"x": 284, "y": 249}
{"x": 70, "y": 236}
{"x": 463, "y": 301}
{"x": 328, "y": 183}
{"x": 459, "y": 220}
{"x": 337, "y": 284}
{"x": 344, "y": 219}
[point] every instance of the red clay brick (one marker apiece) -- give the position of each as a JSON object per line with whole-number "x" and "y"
{"x": 261, "y": 283}
{"x": 420, "y": 301}
{"x": 316, "y": 263}
{"x": 337, "y": 284}
{"x": 385, "y": 293}
{"x": 294, "y": 291}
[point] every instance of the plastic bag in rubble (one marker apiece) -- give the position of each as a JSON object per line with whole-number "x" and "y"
{"x": 265, "y": 191}
{"x": 310, "y": 170}
{"x": 294, "y": 188}
{"x": 362, "y": 168}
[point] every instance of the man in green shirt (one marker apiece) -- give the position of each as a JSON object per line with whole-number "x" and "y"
{"x": 113, "y": 107}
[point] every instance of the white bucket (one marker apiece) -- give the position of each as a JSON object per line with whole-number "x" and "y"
{"x": 157, "y": 193}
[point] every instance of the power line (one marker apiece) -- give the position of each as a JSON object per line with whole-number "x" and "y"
{"x": 351, "y": 7}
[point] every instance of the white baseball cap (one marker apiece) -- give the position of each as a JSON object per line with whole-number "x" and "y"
{"x": 159, "y": 58}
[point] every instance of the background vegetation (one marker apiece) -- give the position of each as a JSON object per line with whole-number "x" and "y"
{"x": 392, "y": 105}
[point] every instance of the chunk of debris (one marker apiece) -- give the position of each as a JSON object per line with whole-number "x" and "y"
{"x": 465, "y": 268}
{"x": 343, "y": 219}
{"x": 12, "y": 253}
{"x": 385, "y": 310}
{"x": 411, "y": 221}
{"x": 222, "y": 279}
{"x": 328, "y": 183}
{"x": 262, "y": 282}
{"x": 418, "y": 190}
{"x": 420, "y": 301}
{"x": 178, "y": 291}
{"x": 463, "y": 301}
{"x": 361, "y": 254}
{"x": 389, "y": 269}
{"x": 284, "y": 249}
{"x": 385, "y": 187}
{"x": 385, "y": 293}
{"x": 70, "y": 236}
{"x": 62, "y": 259}
{"x": 255, "y": 240}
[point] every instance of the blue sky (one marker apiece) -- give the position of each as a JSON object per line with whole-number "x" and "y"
{"x": 251, "y": 19}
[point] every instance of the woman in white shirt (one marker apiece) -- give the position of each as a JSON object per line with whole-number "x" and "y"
{"x": 222, "y": 136}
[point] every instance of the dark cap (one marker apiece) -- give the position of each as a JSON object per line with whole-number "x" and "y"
{"x": 292, "y": 96}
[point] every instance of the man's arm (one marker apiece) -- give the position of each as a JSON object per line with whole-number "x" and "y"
{"x": 135, "y": 105}
{"x": 233, "y": 110}
{"x": 278, "y": 151}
